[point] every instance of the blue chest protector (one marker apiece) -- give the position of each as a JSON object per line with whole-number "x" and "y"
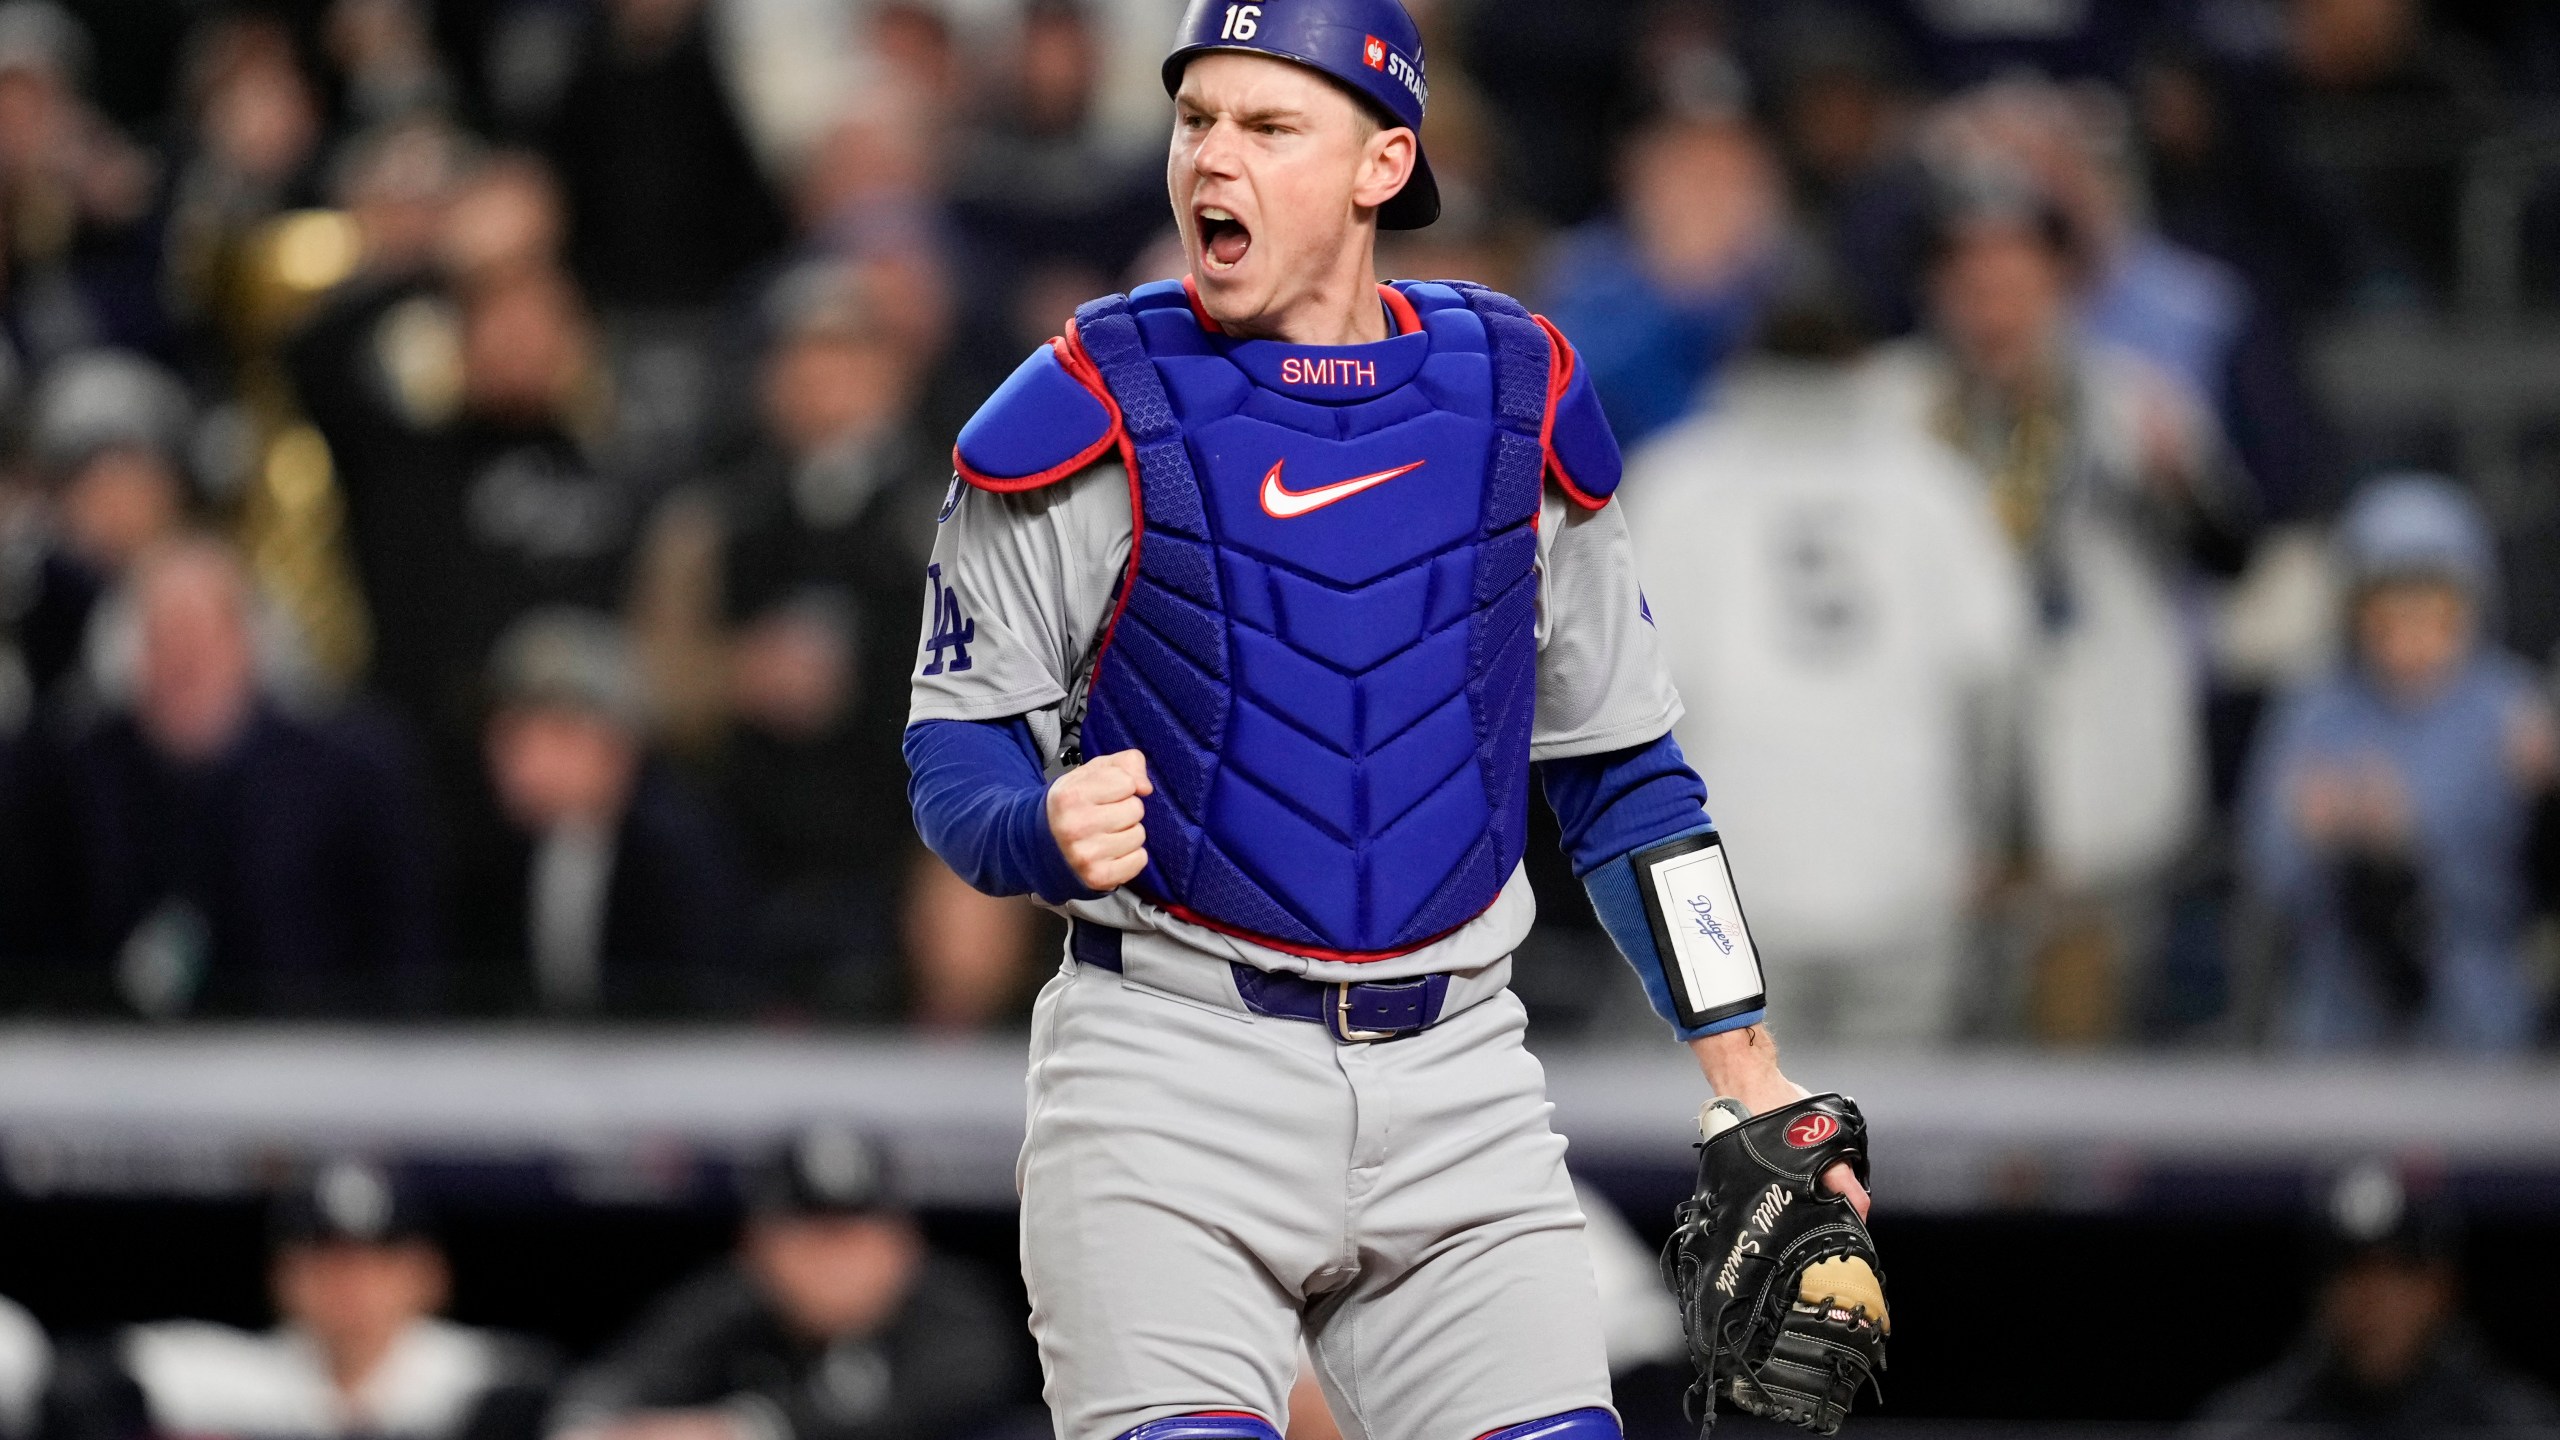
{"x": 1325, "y": 645}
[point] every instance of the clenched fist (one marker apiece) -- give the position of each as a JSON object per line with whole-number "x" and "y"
{"x": 1097, "y": 817}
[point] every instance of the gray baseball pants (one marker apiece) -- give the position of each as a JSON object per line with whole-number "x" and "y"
{"x": 1203, "y": 1187}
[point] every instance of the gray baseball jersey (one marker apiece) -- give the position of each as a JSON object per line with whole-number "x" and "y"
{"x": 1031, "y": 577}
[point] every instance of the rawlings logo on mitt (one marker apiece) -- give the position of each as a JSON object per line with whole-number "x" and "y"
{"x": 1778, "y": 1281}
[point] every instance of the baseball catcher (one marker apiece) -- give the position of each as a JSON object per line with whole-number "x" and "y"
{"x": 1260, "y": 601}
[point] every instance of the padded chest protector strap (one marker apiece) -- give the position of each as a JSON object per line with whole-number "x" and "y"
{"x": 1582, "y": 453}
{"x": 1049, "y": 419}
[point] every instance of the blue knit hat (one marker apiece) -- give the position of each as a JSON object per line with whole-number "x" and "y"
{"x": 2417, "y": 526}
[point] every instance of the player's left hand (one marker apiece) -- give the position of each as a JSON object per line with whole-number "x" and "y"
{"x": 1781, "y": 1294}
{"x": 1744, "y": 1065}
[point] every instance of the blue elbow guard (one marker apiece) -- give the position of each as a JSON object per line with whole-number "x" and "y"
{"x": 1671, "y": 908}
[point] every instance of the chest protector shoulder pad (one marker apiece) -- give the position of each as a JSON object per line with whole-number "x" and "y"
{"x": 1325, "y": 644}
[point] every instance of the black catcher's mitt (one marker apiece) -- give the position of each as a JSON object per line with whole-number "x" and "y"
{"x": 1778, "y": 1282}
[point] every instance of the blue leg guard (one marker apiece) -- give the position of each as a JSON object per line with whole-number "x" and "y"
{"x": 1218, "y": 1425}
{"x": 1592, "y": 1423}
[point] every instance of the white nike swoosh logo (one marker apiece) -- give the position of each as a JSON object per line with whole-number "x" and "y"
{"x": 1281, "y": 503}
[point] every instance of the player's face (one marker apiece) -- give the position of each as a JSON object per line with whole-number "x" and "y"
{"x": 1276, "y": 174}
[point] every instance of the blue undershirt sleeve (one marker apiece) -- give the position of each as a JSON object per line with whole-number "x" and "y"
{"x": 981, "y": 804}
{"x": 1609, "y": 806}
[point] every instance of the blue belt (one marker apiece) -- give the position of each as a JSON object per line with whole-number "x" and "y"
{"x": 1351, "y": 1010}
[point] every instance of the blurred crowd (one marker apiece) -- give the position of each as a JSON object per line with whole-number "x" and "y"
{"x": 832, "y": 1318}
{"x": 469, "y": 466}
{"x": 834, "y": 1315}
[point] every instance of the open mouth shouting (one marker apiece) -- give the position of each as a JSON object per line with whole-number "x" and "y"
{"x": 1223, "y": 238}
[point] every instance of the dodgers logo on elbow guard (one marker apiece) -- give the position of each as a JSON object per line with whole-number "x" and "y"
{"x": 1702, "y": 909}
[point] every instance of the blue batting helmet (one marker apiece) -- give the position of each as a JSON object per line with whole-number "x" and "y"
{"x": 1370, "y": 46}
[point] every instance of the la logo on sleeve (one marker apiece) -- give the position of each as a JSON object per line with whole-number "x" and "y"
{"x": 952, "y": 631}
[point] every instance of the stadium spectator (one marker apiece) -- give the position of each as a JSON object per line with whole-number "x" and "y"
{"x": 1658, "y": 295}
{"x": 2107, "y": 478}
{"x": 912, "y": 46}
{"x": 383, "y": 350}
{"x": 385, "y": 61}
{"x": 826, "y": 529}
{"x": 110, "y": 436}
{"x": 667, "y": 205}
{"x": 874, "y": 181}
{"x": 836, "y": 1320}
{"x": 1052, "y": 199}
{"x": 871, "y": 198}
{"x": 2195, "y": 318}
{"x": 398, "y": 182}
{"x": 357, "y": 1278}
{"x": 509, "y": 216}
{"x": 218, "y": 853}
{"x": 1845, "y": 621}
{"x": 2321, "y": 154}
{"x": 2223, "y": 179}
{"x": 471, "y": 495}
{"x": 610, "y": 890}
{"x": 1844, "y": 106}
{"x": 2380, "y": 104}
{"x": 254, "y": 137}
{"x": 2389, "y": 809}
{"x": 2387, "y": 1351}
{"x": 76, "y": 201}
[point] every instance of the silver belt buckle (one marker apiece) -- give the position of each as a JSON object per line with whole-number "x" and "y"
{"x": 1338, "y": 1019}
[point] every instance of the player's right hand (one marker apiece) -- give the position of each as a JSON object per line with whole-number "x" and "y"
{"x": 1097, "y": 817}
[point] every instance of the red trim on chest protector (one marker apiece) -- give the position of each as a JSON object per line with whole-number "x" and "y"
{"x": 1560, "y": 365}
{"x": 1072, "y": 359}
{"x": 1406, "y": 318}
{"x": 1081, "y": 366}
{"x": 1317, "y": 952}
